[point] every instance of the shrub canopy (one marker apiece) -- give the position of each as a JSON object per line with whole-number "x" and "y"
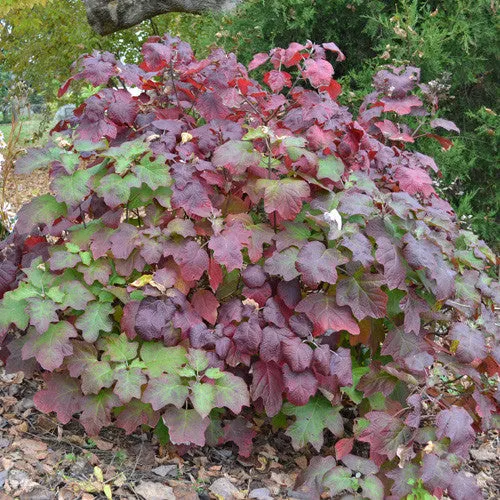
{"x": 214, "y": 248}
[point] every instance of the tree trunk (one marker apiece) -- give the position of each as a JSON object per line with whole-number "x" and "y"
{"x": 108, "y": 16}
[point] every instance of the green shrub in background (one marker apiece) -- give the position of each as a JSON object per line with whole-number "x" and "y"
{"x": 454, "y": 42}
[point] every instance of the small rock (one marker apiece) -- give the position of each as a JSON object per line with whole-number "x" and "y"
{"x": 19, "y": 481}
{"x": 224, "y": 488}
{"x": 3, "y": 477}
{"x": 165, "y": 470}
{"x": 260, "y": 494}
{"x": 38, "y": 494}
{"x": 483, "y": 454}
{"x": 154, "y": 491}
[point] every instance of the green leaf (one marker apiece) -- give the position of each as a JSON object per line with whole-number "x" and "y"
{"x": 42, "y": 210}
{"x": 51, "y": 347}
{"x": 153, "y": 173}
{"x": 198, "y": 359}
{"x": 61, "y": 259}
{"x": 339, "y": 479}
{"x": 372, "y": 488}
{"x": 72, "y": 189}
{"x": 331, "y": 168}
{"x": 203, "y": 398}
{"x": 76, "y": 295}
{"x": 12, "y": 311}
{"x": 95, "y": 319}
{"x": 311, "y": 421}
{"x": 118, "y": 347}
{"x": 125, "y": 154}
{"x": 42, "y": 313}
{"x": 115, "y": 189}
{"x": 97, "y": 375}
{"x": 164, "y": 390}
{"x": 160, "y": 359}
{"x": 213, "y": 373}
{"x": 231, "y": 392}
{"x": 129, "y": 383}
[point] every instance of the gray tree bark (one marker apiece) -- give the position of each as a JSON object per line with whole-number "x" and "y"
{"x": 108, "y": 16}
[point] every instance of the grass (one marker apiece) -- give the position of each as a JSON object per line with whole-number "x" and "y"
{"x": 29, "y": 127}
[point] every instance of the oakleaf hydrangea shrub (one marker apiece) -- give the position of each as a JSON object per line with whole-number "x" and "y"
{"x": 215, "y": 249}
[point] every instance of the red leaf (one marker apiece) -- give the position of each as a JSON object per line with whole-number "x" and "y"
{"x": 258, "y": 60}
{"x": 299, "y": 387}
{"x": 456, "y": 423}
{"x": 318, "y": 72}
{"x": 205, "y": 304}
{"x": 343, "y": 447}
{"x": 240, "y": 432}
{"x": 318, "y": 264}
{"x": 277, "y": 80}
{"x": 185, "y": 426}
{"x": 284, "y": 196}
{"x": 62, "y": 396}
{"x": 267, "y": 383}
{"x": 326, "y": 315}
{"x": 414, "y": 180}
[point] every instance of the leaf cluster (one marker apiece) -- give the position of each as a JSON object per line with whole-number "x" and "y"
{"x": 215, "y": 248}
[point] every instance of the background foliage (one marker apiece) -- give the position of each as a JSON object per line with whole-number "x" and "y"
{"x": 452, "y": 41}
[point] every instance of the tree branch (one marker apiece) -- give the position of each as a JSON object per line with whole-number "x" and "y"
{"x": 108, "y": 16}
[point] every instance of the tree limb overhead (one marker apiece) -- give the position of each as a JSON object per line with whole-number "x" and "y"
{"x": 108, "y": 16}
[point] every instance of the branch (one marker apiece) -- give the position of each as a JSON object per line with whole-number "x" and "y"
{"x": 107, "y": 16}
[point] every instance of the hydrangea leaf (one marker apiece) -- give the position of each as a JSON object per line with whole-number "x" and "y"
{"x": 134, "y": 414}
{"x": 363, "y": 295}
{"x": 283, "y": 264}
{"x": 62, "y": 396}
{"x": 331, "y": 168}
{"x": 160, "y": 359}
{"x": 231, "y": 392}
{"x": 323, "y": 311}
{"x": 240, "y": 431}
{"x": 42, "y": 210}
{"x": 236, "y": 156}
{"x": 96, "y": 375}
{"x": 73, "y": 189}
{"x": 185, "y": 426}
{"x": 203, "y": 397}
{"x": 118, "y": 347}
{"x": 153, "y": 173}
{"x": 115, "y": 189}
{"x": 456, "y": 423}
{"x": 284, "y": 196}
{"x": 385, "y": 434}
{"x": 317, "y": 263}
{"x": 128, "y": 383}
{"x": 165, "y": 390}
{"x": 95, "y": 319}
{"x": 42, "y": 312}
{"x": 311, "y": 420}
{"x": 267, "y": 383}
{"x": 97, "y": 411}
{"x": 13, "y": 311}
{"x": 52, "y": 346}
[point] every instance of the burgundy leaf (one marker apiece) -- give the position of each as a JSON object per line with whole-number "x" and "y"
{"x": 267, "y": 384}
